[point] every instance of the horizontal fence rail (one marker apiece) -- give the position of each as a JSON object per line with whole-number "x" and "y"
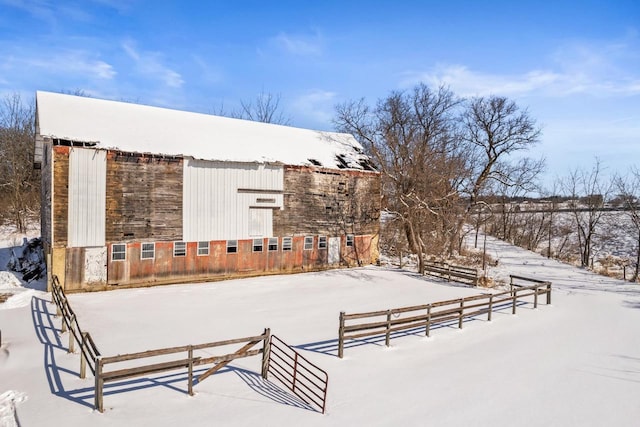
{"x": 452, "y": 272}
{"x": 306, "y": 380}
{"x": 188, "y": 361}
{"x": 386, "y": 322}
{"x": 88, "y": 351}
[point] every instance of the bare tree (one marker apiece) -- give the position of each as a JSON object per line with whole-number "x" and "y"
{"x": 19, "y": 183}
{"x": 413, "y": 138}
{"x": 629, "y": 192}
{"x": 495, "y": 127}
{"x": 264, "y": 108}
{"x": 519, "y": 179}
{"x": 588, "y": 190}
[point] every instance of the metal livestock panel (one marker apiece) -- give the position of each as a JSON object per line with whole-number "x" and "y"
{"x": 218, "y": 196}
{"x": 87, "y": 195}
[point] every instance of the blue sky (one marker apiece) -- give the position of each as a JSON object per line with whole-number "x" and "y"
{"x": 574, "y": 64}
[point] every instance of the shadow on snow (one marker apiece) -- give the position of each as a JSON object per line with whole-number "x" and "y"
{"x": 49, "y": 336}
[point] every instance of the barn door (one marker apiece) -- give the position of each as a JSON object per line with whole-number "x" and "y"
{"x": 334, "y": 250}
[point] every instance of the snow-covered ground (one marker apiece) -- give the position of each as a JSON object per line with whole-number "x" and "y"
{"x": 575, "y": 362}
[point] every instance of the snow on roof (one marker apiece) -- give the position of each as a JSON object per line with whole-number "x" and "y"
{"x": 145, "y": 129}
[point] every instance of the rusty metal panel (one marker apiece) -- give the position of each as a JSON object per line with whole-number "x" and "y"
{"x": 87, "y": 193}
{"x": 217, "y": 197}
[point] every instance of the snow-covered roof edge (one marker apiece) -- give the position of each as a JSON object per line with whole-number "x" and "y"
{"x": 147, "y": 129}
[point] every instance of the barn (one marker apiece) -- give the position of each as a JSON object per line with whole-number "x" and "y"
{"x": 134, "y": 195}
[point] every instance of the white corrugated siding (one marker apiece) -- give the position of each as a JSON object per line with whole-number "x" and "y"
{"x": 87, "y": 194}
{"x": 214, "y": 209}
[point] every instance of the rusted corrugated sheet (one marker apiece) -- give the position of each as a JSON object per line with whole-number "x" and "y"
{"x": 87, "y": 189}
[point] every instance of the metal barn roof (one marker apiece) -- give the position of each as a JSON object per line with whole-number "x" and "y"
{"x": 145, "y": 129}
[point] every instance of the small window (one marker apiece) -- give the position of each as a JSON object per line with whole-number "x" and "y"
{"x": 148, "y": 251}
{"x": 257, "y": 245}
{"x": 179, "y": 249}
{"x": 308, "y": 243}
{"x": 232, "y": 246}
{"x": 118, "y": 252}
{"x": 273, "y": 244}
{"x": 203, "y": 248}
{"x": 349, "y": 239}
{"x": 287, "y": 243}
{"x": 322, "y": 242}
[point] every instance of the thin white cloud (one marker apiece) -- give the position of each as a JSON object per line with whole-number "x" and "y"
{"x": 467, "y": 82}
{"x": 63, "y": 62}
{"x": 150, "y": 64}
{"x": 208, "y": 73}
{"x": 50, "y": 12}
{"x": 316, "y": 105}
{"x": 575, "y": 68}
{"x": 303, "y": 45}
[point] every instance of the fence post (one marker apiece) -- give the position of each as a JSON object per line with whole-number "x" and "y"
{"x": 83, "y": 359}
{"x": 99, "y": 384}
{"x": 461, "y": 313}
{"x": 490, "y": 307}
{"x": 535, "y": 297}
{"x": 266, "y": 352}
{"x": 515, "y": 299}
{"x": 295, "y": 371}
{"x": 428, "y": 326}
{"x": 387, "y": 336}
{"x": 449, "y": 272}
{"x": 341, "y": 336}
{"x": 190, "y": 387}
{"x": 72, "y": 348}
{"x": 548, "y": 292}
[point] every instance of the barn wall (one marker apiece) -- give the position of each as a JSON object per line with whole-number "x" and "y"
{"x": 222, "y": 199}
{"x": 143, "y": 198}
{"x": 153, "y": 199}
{"x": 165, "y": 268}
{"x": 329, "y": 202}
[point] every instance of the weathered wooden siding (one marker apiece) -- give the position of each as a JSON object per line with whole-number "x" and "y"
{"x": 329, "y": 202}
{"x": 46, "y": 189}
{"x": 60, "y": 194}
{"x": 143, "y": 198}
{"x": 87, "y": 189}
{"x": 219, "y": 197}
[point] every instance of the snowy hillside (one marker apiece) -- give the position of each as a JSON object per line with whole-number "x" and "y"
{"x": 574, "y": 362}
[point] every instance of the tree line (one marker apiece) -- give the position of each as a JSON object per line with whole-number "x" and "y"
{"x": 572, "y": 220}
